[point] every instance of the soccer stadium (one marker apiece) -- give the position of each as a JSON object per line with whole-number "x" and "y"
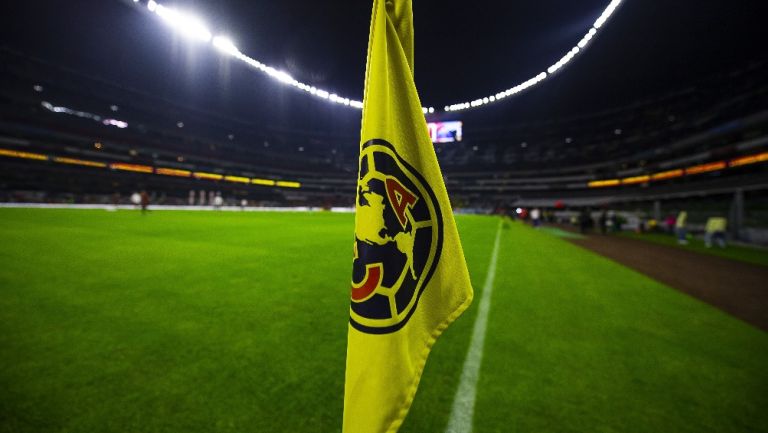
{"x": 383, "y": 216}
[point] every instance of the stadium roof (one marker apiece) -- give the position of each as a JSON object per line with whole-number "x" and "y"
{"x": 463, "y": 50}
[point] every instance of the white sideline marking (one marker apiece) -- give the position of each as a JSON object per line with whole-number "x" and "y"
{"x": 464, "y": 401}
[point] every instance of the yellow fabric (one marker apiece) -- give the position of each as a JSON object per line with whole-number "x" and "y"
{"x": 383, "y": 370}
{"x": 680, "y": 221}
{"x": 716, "y": 224}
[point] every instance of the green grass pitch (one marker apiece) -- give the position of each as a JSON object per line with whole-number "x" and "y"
{"x": 236, "y": 322}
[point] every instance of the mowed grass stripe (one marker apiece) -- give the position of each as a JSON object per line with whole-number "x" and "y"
{"x": 202, "y": 321}
{"x": 190, "y": 321}
{"x": 238, "y": 327}
{"x": 578, "y": 343}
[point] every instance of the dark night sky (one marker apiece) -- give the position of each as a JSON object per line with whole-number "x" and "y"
{"x": 464, "y": 50}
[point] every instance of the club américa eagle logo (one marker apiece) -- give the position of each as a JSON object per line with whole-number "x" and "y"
{"x": 398, "y": 239}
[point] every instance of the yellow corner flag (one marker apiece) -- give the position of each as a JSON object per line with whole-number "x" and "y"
{"x": 409, "y": 277}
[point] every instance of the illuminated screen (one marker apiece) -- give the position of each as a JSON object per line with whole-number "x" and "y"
{"x": 444, "y": 132}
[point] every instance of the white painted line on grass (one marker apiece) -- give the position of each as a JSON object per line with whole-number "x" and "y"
{"x": 464, "y": 401}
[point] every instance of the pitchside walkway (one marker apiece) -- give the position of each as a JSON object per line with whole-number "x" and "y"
{"x": 740, "y": 289}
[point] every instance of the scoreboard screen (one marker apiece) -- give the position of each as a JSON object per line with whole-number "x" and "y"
{"x": 444, "y": 132}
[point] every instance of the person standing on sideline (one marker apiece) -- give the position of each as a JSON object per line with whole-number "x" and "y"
{"x": 536, "y": 217}
{"x": 136, "y": 199}
{"x": 680, "y": 227}
{"x": 218, "y": 201}
{"x": 715, "y": 231}
{"x": 603, "y": 222}
{"x": 144, "y": 201}
{"x": 613, "y": 222}
{"x": 585, "y": 220}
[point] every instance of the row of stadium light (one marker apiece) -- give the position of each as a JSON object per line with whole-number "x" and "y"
{"x": 680, "y": 172}
{"x": 84, "y": 114}
{"x": 193, "y": 28}
{"x": 189, "y": 26}
{"x": 148, "y": 169}
{"x": 105, "y": 120}
{"x": 573, "y": 52}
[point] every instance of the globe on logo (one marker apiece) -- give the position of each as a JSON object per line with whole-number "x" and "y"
{"x": 398, "y": 238}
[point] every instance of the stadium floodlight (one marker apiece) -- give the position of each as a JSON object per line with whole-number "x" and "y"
{"x": 83, "y": 114}
{"x": 281, "y": 76}
{"x": 590, "y": 34}
{"x": 565, "y": 59}
{"x": 114, "y": 122}
{"x": 193, "y": 27}
{"x": 607, "y": 12}
{"x": 187, "y": 25}
{"x": 225, "y": 45}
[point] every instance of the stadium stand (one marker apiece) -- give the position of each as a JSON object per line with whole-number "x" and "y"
{"x": 67, "y": 137}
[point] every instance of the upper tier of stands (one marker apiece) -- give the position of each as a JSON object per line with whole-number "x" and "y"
{"x": 720, "y": 117}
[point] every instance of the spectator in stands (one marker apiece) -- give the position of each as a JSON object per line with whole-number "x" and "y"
{"x": 669, "y": 223}
{"x": 680, "y": 230}
{"x": 715, "y": 232}
{"x": 547, "y": 216}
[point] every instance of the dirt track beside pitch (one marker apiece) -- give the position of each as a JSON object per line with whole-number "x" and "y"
{"x": 740, "y": 289}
